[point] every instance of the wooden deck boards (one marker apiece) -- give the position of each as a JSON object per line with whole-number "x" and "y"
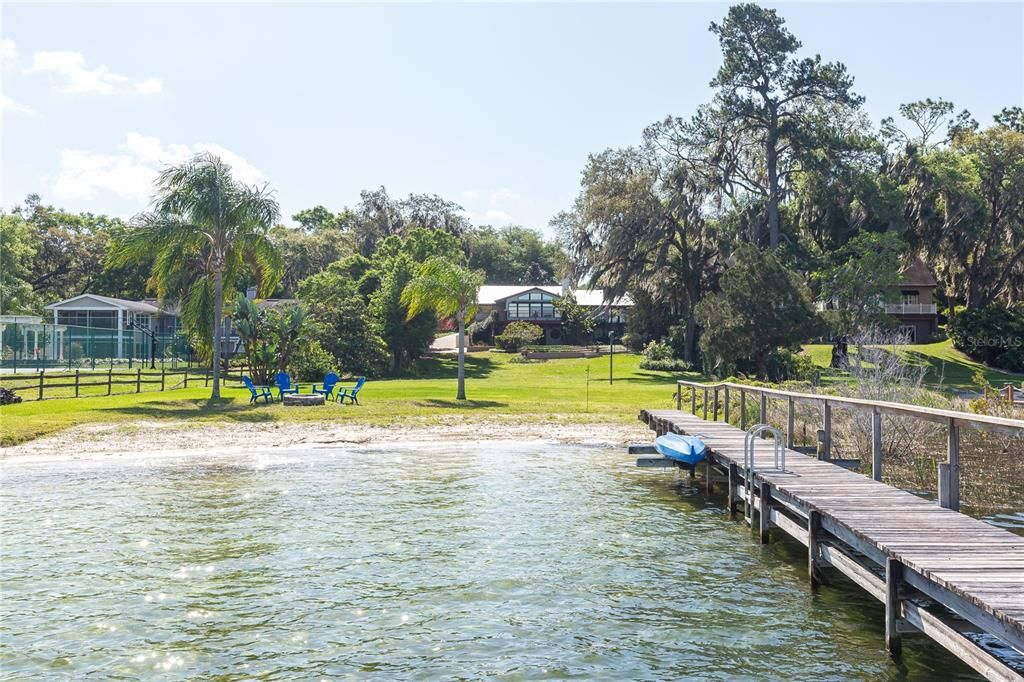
{"x": 979, "y": 563}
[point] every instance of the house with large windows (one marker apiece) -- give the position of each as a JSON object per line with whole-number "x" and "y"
{"x": 536, "y": 304}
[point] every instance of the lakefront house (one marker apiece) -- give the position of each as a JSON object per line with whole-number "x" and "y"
{"x": 535, "y": 303}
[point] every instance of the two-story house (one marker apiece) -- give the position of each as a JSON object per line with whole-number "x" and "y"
{"x": 915, "y": 309}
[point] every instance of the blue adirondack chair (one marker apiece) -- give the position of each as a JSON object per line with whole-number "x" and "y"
{"x": 350, "y": 392}
{"x": 327, "y": 387}
{"x": 257, "y": 392}
{"x": 284, "y": 385}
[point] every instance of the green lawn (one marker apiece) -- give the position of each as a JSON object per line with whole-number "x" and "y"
{"x": 948, "y": 368}
{"x": 546, "y": 390}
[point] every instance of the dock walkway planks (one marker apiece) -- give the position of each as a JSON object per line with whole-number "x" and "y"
{"x": 901, "y": 548}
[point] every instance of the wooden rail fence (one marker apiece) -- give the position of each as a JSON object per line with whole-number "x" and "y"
{"x": 37, "y": 384}
{"x": 954, "y": 421}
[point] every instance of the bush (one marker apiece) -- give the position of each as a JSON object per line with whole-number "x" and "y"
{"x": 518, "y": 334}
{"x": 658, "y": 351}
{"x": 994, "y": 336}
{"x": 669, "y": 365}
{"x": 311, "y": 362}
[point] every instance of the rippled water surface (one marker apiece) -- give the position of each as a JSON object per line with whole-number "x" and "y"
{"x": 502, "y": 561}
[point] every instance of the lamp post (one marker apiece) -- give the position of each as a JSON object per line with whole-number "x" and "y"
{"x": 611, "y": 357}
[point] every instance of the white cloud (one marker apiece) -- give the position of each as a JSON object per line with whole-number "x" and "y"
{"x": 130, "y": 172}
{"x": 8, "y": 50}
{"x": 8, "y": 104}
{"x": 79, "y": 79}
{"x": 485, "y": 207}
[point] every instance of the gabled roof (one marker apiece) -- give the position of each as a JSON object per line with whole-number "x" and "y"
{"x": 490, "y": 294}
{"x": 917, "y": 274}
{"x": 121, "y": 303}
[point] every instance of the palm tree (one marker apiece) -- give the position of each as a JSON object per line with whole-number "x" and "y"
{"x": 205, "y": 231}
{"x": 450, "y": 290}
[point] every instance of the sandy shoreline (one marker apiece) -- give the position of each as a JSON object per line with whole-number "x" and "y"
{"x": 182, "y": 437}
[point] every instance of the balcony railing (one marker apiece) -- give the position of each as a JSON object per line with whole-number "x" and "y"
{"x": 910, "y": 308}
{"x": 892, "y": 308}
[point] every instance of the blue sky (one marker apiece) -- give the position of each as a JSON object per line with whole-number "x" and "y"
{"x": 495, "y": 106}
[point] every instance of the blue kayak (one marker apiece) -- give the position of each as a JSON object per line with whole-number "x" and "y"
{"x": 686, "y": 449}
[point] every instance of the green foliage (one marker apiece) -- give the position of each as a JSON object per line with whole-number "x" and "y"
{"x": 762, "y": 306}
{"x": 515, "y": 255}
{"x": 420, "y": 244}
{"x": 16, "y": 255}
{"x": 670, "y": 365}
{"x": 994, "y": 336}
{"x": 516, "y": 335}
{"x": 577, "y": 322}
{"x": 449, "y": 290}
{"x": 772, "y": 111}
{"x": 406, "y": 338}
{"x": 483, "y": 330}
{"x": 658, "y": 351}
{"x": 858, "y": 278}
{"x": 306, "y": 252}
{"x": 311, "y": 362}
{"x": 206, "y": 232}
{"x": 269, "y": 336}
{"x": 340, "y": 322}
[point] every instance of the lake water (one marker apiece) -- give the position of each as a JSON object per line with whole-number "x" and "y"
{"x": 502, "y": 561}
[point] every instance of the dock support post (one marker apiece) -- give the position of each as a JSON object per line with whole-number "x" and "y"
{"x": 765, "y": 494}
{"x": 893, "y": 576}
{"x": 743, "y": 410}
{"x": 679, "y": 398}
{"x": 725, "y": 411}
{"x": 693, "y": 400}
{"x": 715, "y": 406}
{"x": 764, "y": 412}
{"x": 705, "y": 404}
{"x": 734, "y": 480}
{"x": 790, "y": 420}
{"x": 813, "y": 552}
{"x": 876, "y": 444}
{"x": 953, "y": 465}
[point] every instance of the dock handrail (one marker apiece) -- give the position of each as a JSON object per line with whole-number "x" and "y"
{"x": 949, "y": 471}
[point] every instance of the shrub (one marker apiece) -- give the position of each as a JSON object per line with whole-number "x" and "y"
{"x": 994, "y": 336}
{"x": 657, "y": 351}
{"x": 518, "y": 334}
{"x": 669, "y": 365}
{"x": 311, "y": 362}
{"x": 633, "y": 342}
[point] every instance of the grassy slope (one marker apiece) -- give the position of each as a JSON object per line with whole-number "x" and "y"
{"x": 554, "y": 390}
{"x": 948, "y": 368}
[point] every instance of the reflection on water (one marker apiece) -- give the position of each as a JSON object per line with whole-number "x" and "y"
{"x": 499, "y": 561}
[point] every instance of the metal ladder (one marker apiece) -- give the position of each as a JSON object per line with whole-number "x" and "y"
{"x": 748, "y": 462}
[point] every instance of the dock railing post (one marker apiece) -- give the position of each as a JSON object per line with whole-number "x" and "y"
{"x": 693, "y": 400}
{"x": 764, "y": 411}
{"x": 876, "y": 444}
{"x": 679, "y": 397}
{"x": 827, "y": 427}
{"x": 715, "y": 406}
{"x": 952, "y": 470}
{"x": 790, "y": 419}
{"x": 743, "y": 410}
{"x": 705, "y": 403}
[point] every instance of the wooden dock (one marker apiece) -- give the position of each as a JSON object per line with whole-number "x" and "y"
{"x": 955, "y": 579}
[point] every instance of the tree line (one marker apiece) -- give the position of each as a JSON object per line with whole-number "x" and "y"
{"x": 725, "y": 225}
